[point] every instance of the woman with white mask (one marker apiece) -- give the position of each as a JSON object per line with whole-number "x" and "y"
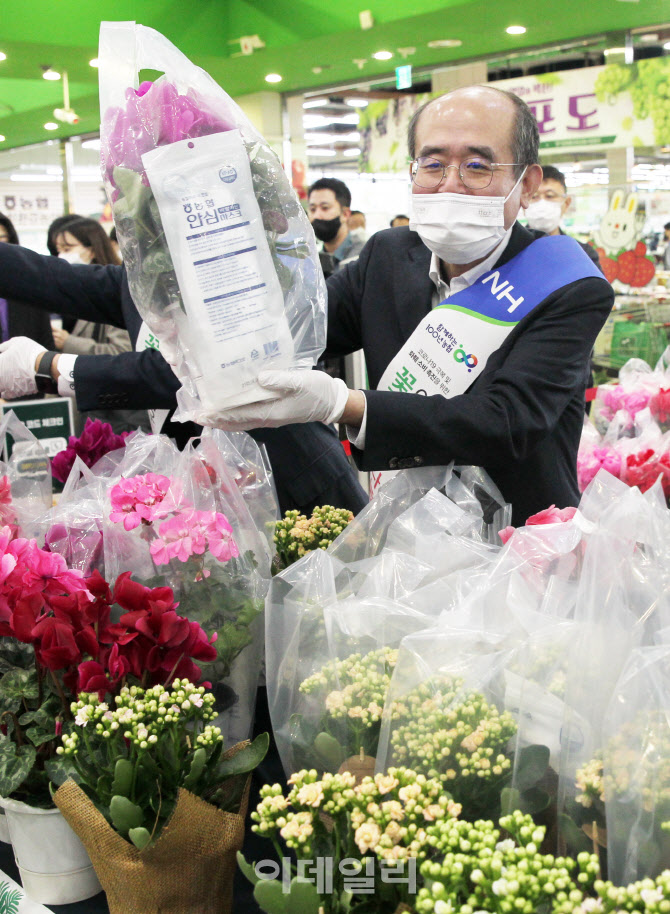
{"x": 82, "y": 242}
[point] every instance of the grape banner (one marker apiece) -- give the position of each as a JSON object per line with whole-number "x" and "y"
{"x": 576, "y": 110}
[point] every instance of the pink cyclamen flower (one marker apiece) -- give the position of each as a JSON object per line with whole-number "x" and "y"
{"x": 550, "y": 515}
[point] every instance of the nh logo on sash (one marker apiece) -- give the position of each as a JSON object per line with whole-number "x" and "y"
{"x": 505, "y": 290}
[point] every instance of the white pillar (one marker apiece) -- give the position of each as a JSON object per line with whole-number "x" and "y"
{"x": 471, "y": 74}
{"x": 264, "y": 110}
{"x": 620, "y": 164}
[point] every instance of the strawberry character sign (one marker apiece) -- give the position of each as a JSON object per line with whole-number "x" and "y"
{"x": 622, "y": 255}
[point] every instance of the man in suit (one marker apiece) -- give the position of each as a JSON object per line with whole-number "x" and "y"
{"x": 308, "y": 462}
{"x": 549, "y": 205}
{"x": 474, "y": 167}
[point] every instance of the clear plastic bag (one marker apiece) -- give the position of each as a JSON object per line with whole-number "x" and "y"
{"x": 444, "y": 714}
{"x": 332, "y": 632}
{"x": 177, "y": 269}
{"x": 634, "y": 768}
{"x": 25, "y": 479}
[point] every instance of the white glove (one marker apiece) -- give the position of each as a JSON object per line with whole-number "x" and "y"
{"x": 304, "y": 396}
{"x": 17, "y": 367}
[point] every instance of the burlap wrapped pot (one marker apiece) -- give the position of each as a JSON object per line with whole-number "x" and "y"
{"x": 190, "y": 867}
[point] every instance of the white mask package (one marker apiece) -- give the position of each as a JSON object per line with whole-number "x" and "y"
{"x": 234, "y": 322}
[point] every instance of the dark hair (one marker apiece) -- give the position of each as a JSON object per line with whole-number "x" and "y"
{"x": 112, "y": 235}
{"x": 92, "y": 235}
{"x": 357, "y": 212}
{"x": 7, "y": 223}
{"x": 339, "y": 188}
{"x": 525, "y": 132}
{"x": 666, "y": 227}
{"x": 399, "y": 216}
{"x": 56, "y": 228}
{"x": 551, "y": 173}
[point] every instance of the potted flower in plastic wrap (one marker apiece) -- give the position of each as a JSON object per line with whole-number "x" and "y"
{"x": 63, "y": 634}
{"x": 160, "y": 806}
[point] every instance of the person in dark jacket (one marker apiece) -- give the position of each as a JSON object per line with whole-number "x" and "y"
{"x": 309, "y": 465}
{"x": 18, "y": 318}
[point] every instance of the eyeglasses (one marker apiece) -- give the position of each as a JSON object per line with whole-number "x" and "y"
{"x": 548, "y": 195}
{"x": 475, "y": 172}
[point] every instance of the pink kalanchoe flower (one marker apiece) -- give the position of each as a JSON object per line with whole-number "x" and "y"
{"x": 220, "y": 537}
{"x": 180, "y": 537}
{"x": 137, "y": 499}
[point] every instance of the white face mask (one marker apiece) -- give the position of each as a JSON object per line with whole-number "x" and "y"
{"x": 544, "y": 215}
{"x": 72, "y": 257}
{"x": 459, "y": 228}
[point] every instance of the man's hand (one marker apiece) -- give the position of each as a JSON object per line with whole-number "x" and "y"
{"x": 302, "y": 396}
{"x": 19, "y": 358}
{"x": 60, "y": 336}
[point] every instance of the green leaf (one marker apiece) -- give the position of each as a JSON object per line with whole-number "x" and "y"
{"x": 15, "y": 766}
{"x": 270, "y": 896}
{"x": 38, "y": 736}
{"x": 59, "y": 769}
{"x": 247, "y": 868}
{"x": 531, "y": 766}
{"x": 140, "y": 837}
{"x": 534, "y": 801}
{"x": 125, "y": 815}
{"x": 302, "y": 897}
{"x": 123, "y": 777}
{"x": 329, "y": 751}
{"x": 198, "y": 762}
{"x": 17, "y": 686}
{"x": 509, "y": 800}
{"x": 573, "y": 835}
{"x": 246, "y": 759}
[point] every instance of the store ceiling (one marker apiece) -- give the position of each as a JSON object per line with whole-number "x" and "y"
{"x": 310, "y": 43}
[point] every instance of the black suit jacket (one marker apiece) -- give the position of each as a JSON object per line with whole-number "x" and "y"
{"x": 522, "y": 417}
{"x": 25, "y": 320}
{"x": 309, "y": 464}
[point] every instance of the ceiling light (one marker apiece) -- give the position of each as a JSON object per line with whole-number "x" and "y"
{"x": 91, "y": 144}
{"x": 445, "y": 43}
{"x": 2, "y": 138}
{"x": 94, "y": 63}
{"x": 50, "y": 126}
{"x": 318, "y": 139}
{"x": 354, "y": 151}
{"x": 666, "y": 46}
{"x": 516, "y": 30}
{"x": 3, "y": 56}
{"x": 650, "y": 36}
{"x": 315, "y": 102}
{"x": 353, "y": 137}
{"x": 320, "y": 152}
{"x": 383, "y": 55}
{"x": 273, "y": 78}
{"x": 357, "y": 102}
{"x": 48, "y": 73}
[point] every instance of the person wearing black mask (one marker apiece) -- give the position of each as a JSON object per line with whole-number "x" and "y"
{"x": 328, "y": 209}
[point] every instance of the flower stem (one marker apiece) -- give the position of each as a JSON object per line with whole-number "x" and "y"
{"x": 61, "y": 694}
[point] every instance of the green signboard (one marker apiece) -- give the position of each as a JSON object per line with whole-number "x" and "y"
{"x": 403, "y": 77}
{"x": 50, "y": 420}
